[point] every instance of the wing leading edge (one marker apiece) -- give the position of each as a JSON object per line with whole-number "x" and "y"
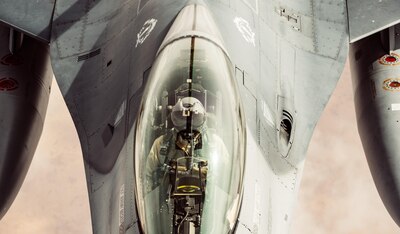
{"x": 31, "y": 17}
{"x": 367, "y": 17}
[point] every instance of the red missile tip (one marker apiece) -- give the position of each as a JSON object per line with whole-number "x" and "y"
{"x": 394, "y": 84}
{"x": 390, "y": 59}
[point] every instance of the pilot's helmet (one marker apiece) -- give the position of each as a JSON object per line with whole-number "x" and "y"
{"x": 188, "y": 107}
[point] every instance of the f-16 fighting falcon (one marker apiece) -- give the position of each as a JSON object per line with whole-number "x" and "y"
{"x": 194, "y": 116}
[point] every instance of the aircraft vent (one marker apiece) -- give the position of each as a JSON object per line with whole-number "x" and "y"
{"x": 286, "y": 123}
{"x": 89, "y": 55}
{"x": 285, "y": 133}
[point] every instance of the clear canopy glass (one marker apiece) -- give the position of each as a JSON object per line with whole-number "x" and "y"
{"x": 190, "y": 143}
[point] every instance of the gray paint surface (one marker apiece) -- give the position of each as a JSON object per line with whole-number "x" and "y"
{"x": 31, "y": 17}
{"x": 288, "y": 57}
{"x": 367, "y": 17}
{"x": 328, "y": 186}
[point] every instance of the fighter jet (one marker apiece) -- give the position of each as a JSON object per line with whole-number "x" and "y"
{"x": 194, "y": 116}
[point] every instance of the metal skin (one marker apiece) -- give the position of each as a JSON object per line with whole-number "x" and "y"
{"x": 375, "y": 77}
{"x": 286, "y": 59}
{"x": 25, "y": 80}
{"x": 367, "y": 17}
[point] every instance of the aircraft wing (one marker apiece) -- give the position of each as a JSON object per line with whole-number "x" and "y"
{"x": 101, "y": 53}
{"x": 298, "y": 53}
{"x": 32, "y": 17}
{"x": 298, "y": 50}
{"x": 101, "y": 59}
{"x": 370, "y": 16}
{"x": 91, "y": 47}
{"x": 91, "y": 70}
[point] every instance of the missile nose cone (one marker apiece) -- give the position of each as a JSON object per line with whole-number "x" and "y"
{"x": 6, "y": 198}
{"x": 20, "y": 130}
{"x": 13, "y": 167}
{"x": 385, "y": 169}
{"x": 383, "y": 155}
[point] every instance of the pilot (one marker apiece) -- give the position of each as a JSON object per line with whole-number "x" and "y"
{"x": 187, "y": 112}
{"x": 189, "y": 137}
{"x": 174, "y": 145}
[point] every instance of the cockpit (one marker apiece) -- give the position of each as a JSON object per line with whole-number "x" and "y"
{"x": 190, "y": 142}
